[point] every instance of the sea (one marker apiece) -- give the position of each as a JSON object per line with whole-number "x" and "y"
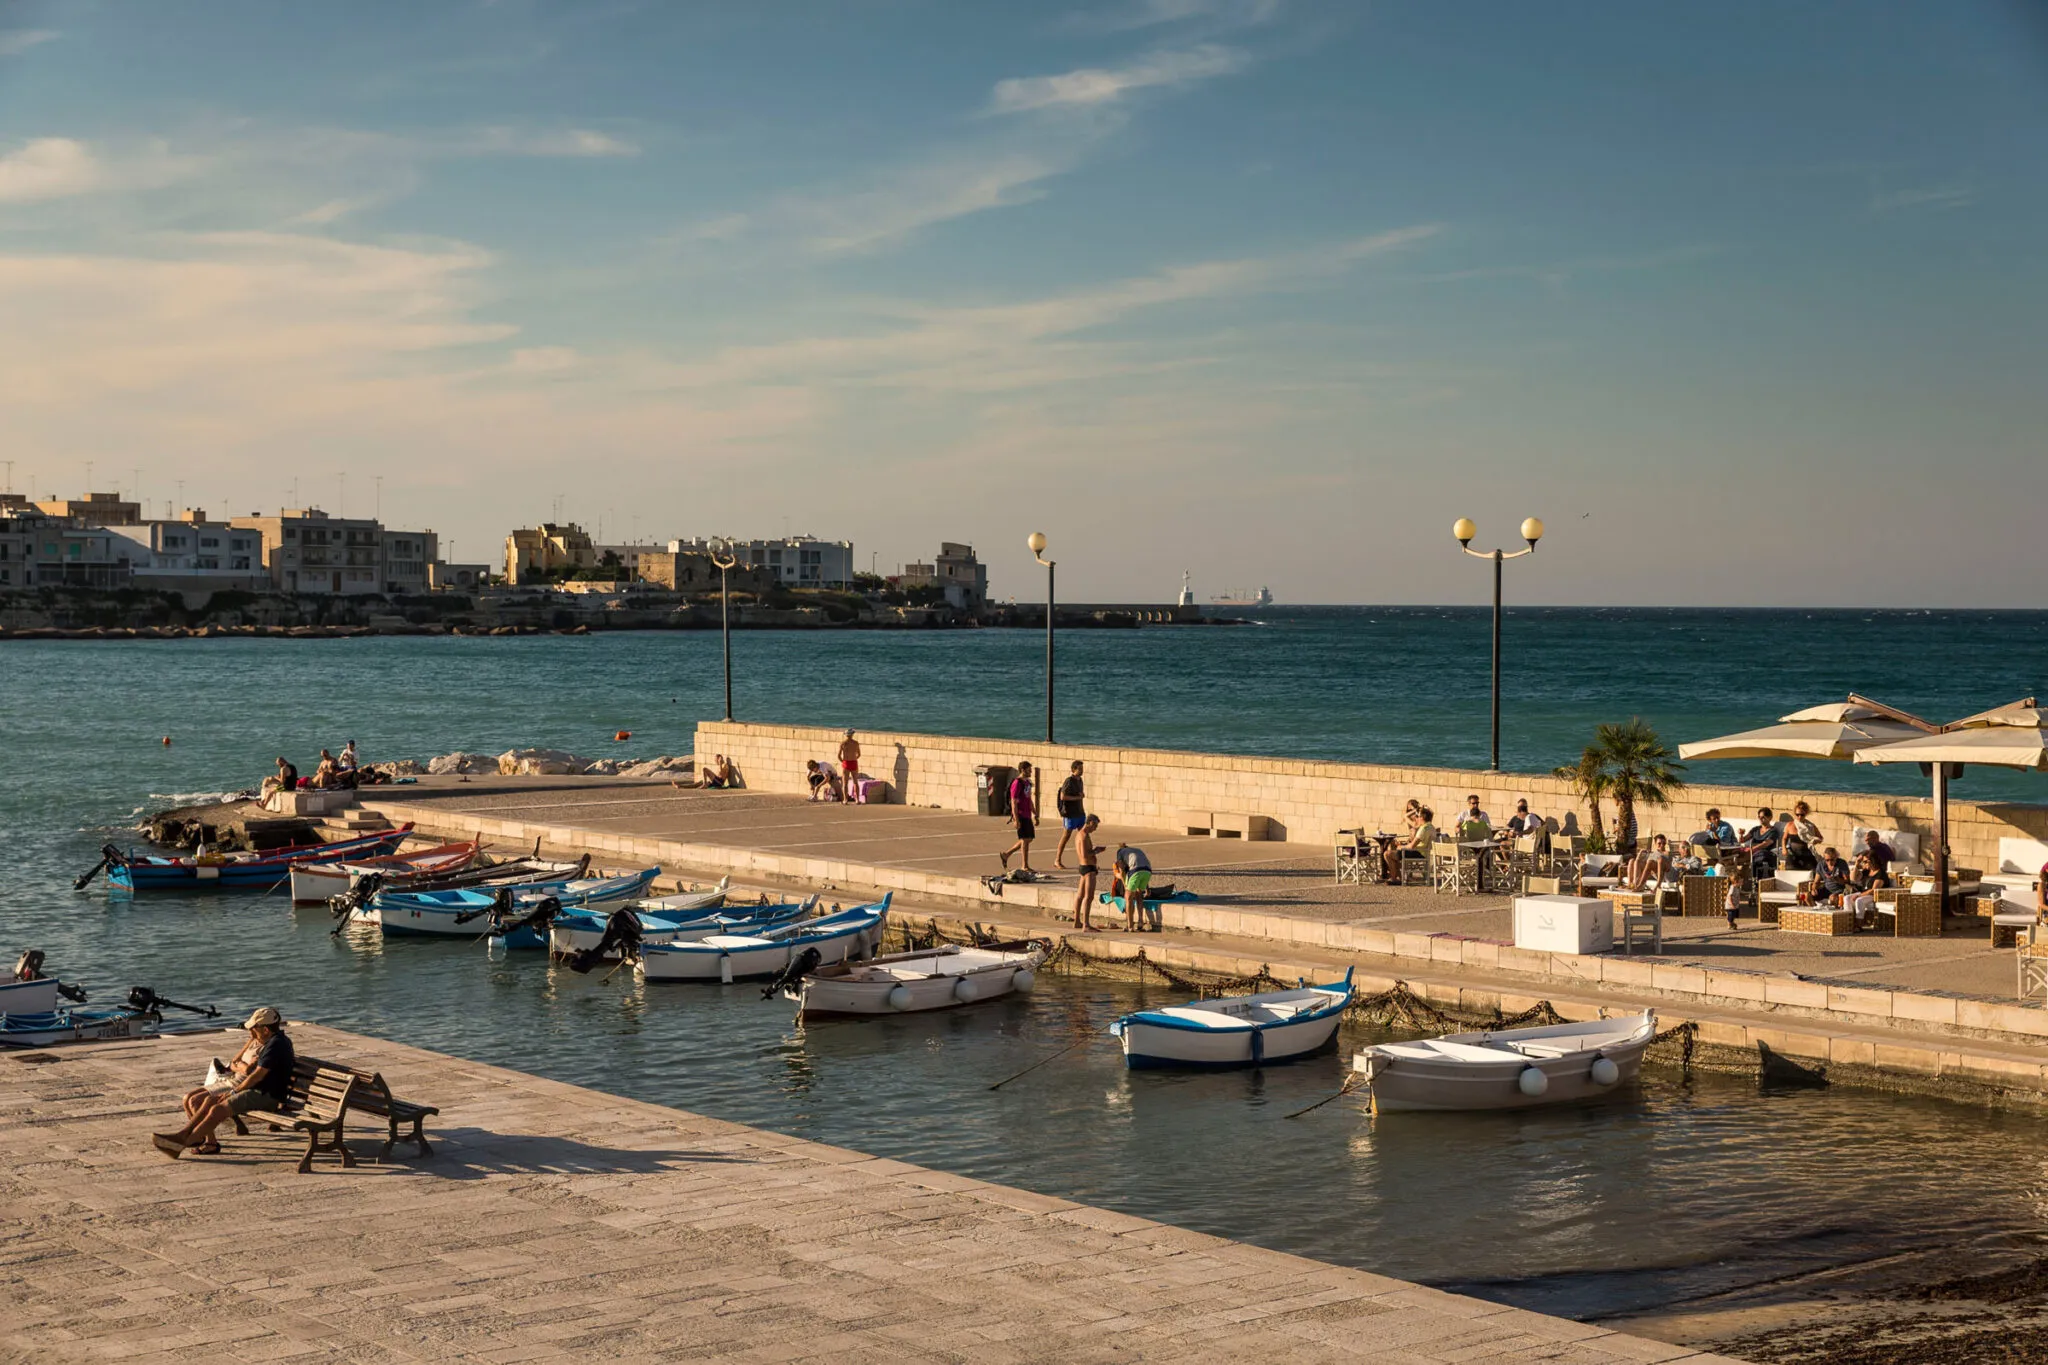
{"x": 1705, "y": 1198}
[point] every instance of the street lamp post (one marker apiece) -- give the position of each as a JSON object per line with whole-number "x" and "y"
{"x": 1464, "y": 530}
{"x": 1036, "y": 542}
{"x": 725, "y": 559}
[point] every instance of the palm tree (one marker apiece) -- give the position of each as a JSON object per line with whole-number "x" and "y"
{"x": 1635, "y": 766}
{"x": 1590, "y": 782}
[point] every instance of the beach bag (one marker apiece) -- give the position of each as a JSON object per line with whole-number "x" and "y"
{"x": 218, "y": 1078}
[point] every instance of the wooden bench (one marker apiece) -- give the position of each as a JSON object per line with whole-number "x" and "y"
{"x": 316, "y": 1104}
{"x": 366, "y": 1094}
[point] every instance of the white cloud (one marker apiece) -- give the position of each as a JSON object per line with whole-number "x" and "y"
{"x": 1932, "y": 199}
{"x": 1095, "y": 86}
{"x": 15, "y": 41}
{"x": 568, "y": 142}
{"x": 1142, "y": 14}
{"x": 48, "y": 168}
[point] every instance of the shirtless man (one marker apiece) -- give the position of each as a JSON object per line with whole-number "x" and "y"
{"x": 1088, "y": 851}
{"x": 849, "y": 763}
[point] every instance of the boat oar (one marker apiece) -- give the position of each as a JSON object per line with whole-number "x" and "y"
{"x": 1084, "y": 1038}
{"x": 1350, "y": 1082}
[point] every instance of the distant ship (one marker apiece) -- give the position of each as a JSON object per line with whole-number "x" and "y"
{"x": 1234, "y": 598}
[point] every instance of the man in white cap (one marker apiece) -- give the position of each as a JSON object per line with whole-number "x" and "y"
{"x": 263, "y": 1085}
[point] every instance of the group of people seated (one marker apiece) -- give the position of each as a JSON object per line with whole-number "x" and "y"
{"x": 336, "y": 772}
{"x": 1473, "y": 826}
{"x": 1787, "y": 841}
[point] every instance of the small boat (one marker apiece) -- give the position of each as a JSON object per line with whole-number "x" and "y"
{"x": 1509, "y": 1068}
{"x": 581, "y": 931}
{"x": 733, "y": 957}
{"x": 907, "y": 983}
{"x": 316, "y": 883}
{"x": 46, "y": 1027}
{"x": 1236, "y": 1030}
{"x": 249, "y": 871}
{"x": 37, "y": 996}
{"x": 685, "y": 904}
{"x": 466, "y": 913}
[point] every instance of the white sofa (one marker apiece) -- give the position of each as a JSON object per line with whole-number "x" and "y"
{"x": 2018, "y": 873}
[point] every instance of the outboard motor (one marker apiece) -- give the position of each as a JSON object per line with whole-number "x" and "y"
{"x": 621, "y": 936}
{"x": 143, "y": 1000}
{"x": 30, "y": 966}
{"x": 804, "y": 964}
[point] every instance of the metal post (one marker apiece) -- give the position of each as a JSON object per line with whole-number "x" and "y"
{"x": 725, "y": 634}
{"x": 1494, "y": 766}
{"x": 1048, "y": 649}
{"x": 1941, "y": 834}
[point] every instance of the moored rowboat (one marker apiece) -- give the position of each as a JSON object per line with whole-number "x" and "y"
{"x": 908, "y": 983}
{"x": 72, "y": 1026}
{"x": 249, "y": 871}
{"x": 466, "y": 913}
{"x": 1509, "y": 1068}
{"x": 1235, "y": 1031}
{"x": 315, "y": 883}
{"x": 734, "y": 957}
{"x": 580, "y": 931}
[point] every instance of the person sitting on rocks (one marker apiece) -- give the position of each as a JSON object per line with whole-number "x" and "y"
{"x": 286, "y": 780}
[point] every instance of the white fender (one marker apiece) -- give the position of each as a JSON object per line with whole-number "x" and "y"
{"x": 899, "y": 998}
{"x": 1024, "y": 979}
{"x": 965, "y": 991}
{"x": 1532, "y": 1081}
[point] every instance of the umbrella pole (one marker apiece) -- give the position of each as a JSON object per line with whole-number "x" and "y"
{"x": 1941, "y": 834}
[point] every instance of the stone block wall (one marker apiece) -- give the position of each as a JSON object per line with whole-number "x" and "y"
{"x": 1308, "y": 801}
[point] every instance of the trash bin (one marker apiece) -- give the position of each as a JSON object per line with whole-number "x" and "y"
{"x": 992, "y": 789}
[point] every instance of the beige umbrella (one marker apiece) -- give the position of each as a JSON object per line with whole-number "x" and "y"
{"x": 1837, "y": 731}
{"x": 2006, "y": 736}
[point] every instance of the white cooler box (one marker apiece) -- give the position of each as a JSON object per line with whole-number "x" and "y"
{"x": 1564, "y": 924}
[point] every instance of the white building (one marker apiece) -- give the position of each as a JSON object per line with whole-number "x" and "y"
{"x": 191, "y": 545}
{"x": 956, "y": 572}
{"x": 796, "y": 561}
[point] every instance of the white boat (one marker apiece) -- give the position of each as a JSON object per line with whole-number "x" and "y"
{"x": 69, "y": 1025}
{"x": 580, "y": 931}
{"x": 315, "y": 883}
{"x": 733, "y": 957}
{"x": 28, "y": 997}
{"x": 906, "y": 983}
{"x": 1237, "y": 1030}
{"x": 466, "y": 913}
{"x": 1509, "y": 1068}
{"x": 685, "y": 904}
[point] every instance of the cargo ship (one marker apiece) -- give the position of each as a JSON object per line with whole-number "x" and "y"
{"x": 1233, "y": 598}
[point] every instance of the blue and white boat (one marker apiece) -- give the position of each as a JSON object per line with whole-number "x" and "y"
{"x": 578, "y": 931}
{"x": 244, "y": 871}
{"x": 72, "y": 1025}
{"x": 835, "y": 937}
{"x": 28, "y": 997}
{"x": 1235, "y": 1031}
{"x": 466, "y": 913}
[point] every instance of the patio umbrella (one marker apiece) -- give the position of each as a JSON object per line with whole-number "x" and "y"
{"x": 2006, "y": 736}
{"x": 1837, "y": 730}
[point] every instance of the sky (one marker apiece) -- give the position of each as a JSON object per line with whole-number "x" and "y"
{"x": 1747, "y": 301}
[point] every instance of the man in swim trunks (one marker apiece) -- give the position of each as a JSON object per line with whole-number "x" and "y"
{"x": 1131, "y": 880}
{"x": 1084, "y": 894}
{"x": 849, "y": 763}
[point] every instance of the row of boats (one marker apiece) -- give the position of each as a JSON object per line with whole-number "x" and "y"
{"x": 828, "y": 961}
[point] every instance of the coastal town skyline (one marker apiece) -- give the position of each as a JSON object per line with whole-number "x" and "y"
{"x": 1267, "y": 292}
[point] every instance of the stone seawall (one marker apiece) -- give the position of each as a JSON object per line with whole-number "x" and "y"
{"x": 1307, "y": 801}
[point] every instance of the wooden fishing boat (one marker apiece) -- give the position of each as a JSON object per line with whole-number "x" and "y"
{"x": 246, "y": 871}
{"x": 28, "y": 997}
{"x": 685, "y": 904}
{"x": 1509, "y": 1068}
{"x": 581, "y": 931}
{"x": 73, "y": 1025}
{"x": 1236, "y": 1030}
{"x": 466, "y": 913}
{"x": 316, "y": 883}
{"x": 909, "y": 983}
{"x": 735, "y": 957}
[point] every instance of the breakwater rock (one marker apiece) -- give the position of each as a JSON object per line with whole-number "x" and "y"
{"x": 556, "y": 763}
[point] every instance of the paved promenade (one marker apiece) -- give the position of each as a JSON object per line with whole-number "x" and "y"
{"x": 1291, "y": 880}
{"x": 557, "y": 1223}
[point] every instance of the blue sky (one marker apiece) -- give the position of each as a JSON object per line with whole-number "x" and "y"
{"x": 1746, "y": 300}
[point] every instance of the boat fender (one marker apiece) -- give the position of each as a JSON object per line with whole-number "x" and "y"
{"x": 1024, "y": 979}
{"x": 1258, "y": 1046}
{"x": 725, "y": 968}
{"x": 965, "y": 991}
{"x": 1605, "y": 1072}
{"x": 899, "y": 998}
{"x": 1532, "y": 1081}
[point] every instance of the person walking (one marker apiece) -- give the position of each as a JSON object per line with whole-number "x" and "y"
{"x": 1024, "y": 815}
{"x": 1071, "y": 803}
{"x": 1089, "y": 853}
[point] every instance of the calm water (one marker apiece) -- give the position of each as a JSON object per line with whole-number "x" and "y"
{"x": 1699, "y": 1189}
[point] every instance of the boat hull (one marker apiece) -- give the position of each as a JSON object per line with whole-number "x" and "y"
{"x": 946, "y": 985}
{"x": 466, "y": 914}
{"x": 50, "y": 1027}
{"x": 316, "y": 883}
{"x": 254, "y": 874}
{"x": 1153, "y": 1047}
{"x": 28, "y": 997}
{"x": 1401, "y": 1083}
{"x": 584, "y": 932}
{"x": 733, "y": 957}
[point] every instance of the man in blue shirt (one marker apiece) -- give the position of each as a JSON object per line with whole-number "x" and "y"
{"x": 263, "y": 1084}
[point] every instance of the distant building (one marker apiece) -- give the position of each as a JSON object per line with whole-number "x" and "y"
{"x": 443, "y": 576}
{"x": 795, "y": 561}
{"x": 544, "y": 551}
{"x": 956, "y": 572}
{"x": 192, "y": 551}
{"x": 408, "y": 561}
{"x": 95, "y": 509}
{"x": 627, "y": 557}
{"x": 691, "y": 571}
{"x": 39, "y": 551}
{"x": 307, "y": 551}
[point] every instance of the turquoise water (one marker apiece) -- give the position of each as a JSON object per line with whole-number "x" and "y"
{"x": 1697, "y": 1189}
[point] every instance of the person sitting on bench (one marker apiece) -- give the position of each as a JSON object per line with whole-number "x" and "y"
{"x": 263, "y": 1085}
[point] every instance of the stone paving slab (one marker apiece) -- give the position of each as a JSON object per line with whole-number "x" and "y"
{"x": 557, "y": 1223}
